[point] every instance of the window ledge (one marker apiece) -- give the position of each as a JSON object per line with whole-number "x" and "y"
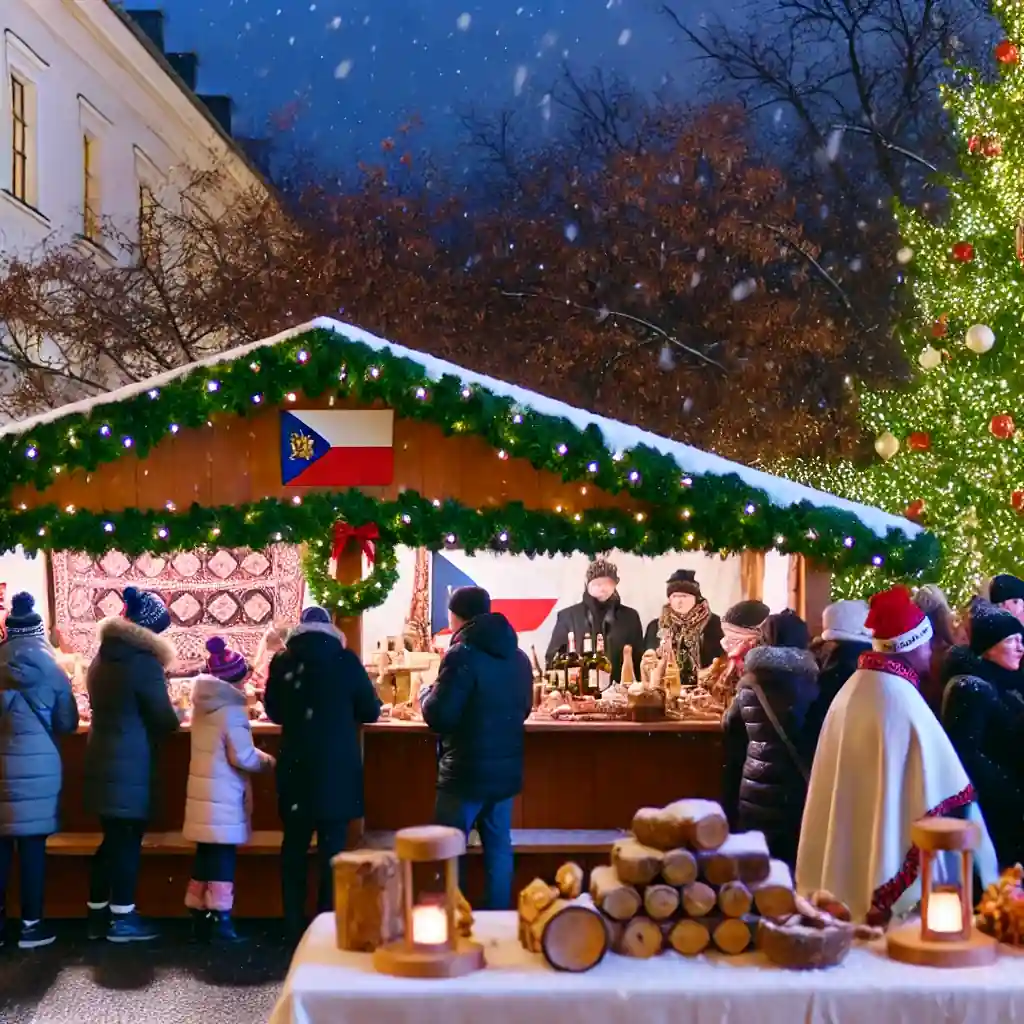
{"x": 24, "y": 207}
{"x": 95, "y": 249}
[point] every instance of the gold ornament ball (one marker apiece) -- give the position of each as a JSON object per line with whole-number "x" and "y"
{"x": 979, "y": 338}
{"x": 929, "y": 358}
{"x": 904, "y": 255}
{"x": 887, "y": 445}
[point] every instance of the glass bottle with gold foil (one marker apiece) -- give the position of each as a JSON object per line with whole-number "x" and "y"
{"x": 604, "y": 665}
{"x": 573, "y": 668}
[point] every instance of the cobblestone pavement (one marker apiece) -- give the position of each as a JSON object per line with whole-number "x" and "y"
{"x": 167, "y": 982}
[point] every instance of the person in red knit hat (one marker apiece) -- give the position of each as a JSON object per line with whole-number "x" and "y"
{"x": 882, "y": 763}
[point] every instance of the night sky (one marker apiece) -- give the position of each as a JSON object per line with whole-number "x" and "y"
{"x": 353, "y": 70}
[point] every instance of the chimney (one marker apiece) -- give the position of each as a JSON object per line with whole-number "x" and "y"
{"x": 221, "y": 109}
{"x": 187, "y": 67}
{"x": 259, "y": 151}
{"x": 152, "y": 24}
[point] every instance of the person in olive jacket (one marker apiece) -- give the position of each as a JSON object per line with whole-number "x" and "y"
{"x": 768, "y": 752}
{"x": 320, "y": 695}
{"x": 478, "y": 706}
{"x": 36, "y": 705}
{"x": 131, "y": 713}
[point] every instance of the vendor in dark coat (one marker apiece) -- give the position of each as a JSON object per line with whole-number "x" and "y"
{"x": 600, "y": 611}
{"x": 320, "y": 695}
{"x": 983, "y": 714}
{"x": 844, "y": 638}
{"x": 36, "y": 705}
{"x": 686, "y": 623}
{"x": 131, "y": 713}
{"x": 768, "y": 755}
{"x": 478, "y": 707}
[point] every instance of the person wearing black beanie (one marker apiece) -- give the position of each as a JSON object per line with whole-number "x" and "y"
{"x": 1007, "y": 592}
{"x": 478, "y": 707}
{"x": 688, "y": 625}
{"x": 983, "y": 712}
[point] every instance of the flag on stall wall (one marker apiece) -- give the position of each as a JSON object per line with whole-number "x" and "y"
{"x": 337, "y": 447}
{"x": 526, "y": 614}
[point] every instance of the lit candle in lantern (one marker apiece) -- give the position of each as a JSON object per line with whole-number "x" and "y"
{"x": 945, "y": 911}
{"x": 429, "y": 926}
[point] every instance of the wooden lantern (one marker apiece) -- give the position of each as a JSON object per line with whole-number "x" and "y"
{"x": 945, "y": 935}
{"x": 431, "y": 946}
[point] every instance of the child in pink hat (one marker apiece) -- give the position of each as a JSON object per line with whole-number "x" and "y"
{"x": 217, "y": 806}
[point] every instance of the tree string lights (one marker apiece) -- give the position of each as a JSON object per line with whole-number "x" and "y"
{"x": 686, "y": 512}
{"x": 966, "y": 483}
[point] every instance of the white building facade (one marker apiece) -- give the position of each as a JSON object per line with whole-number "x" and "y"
{"x": 93, "y": 122}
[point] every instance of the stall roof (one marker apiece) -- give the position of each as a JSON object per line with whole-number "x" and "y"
{"x": 618, "y": 436}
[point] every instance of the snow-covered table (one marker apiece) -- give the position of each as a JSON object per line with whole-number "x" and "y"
{"x": 325, "y": 986}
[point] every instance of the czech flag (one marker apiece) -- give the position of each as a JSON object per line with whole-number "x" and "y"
{"x": 337, "y": 448}
{"x": 526, "y": 614}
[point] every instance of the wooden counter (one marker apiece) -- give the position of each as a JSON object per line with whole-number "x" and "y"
{"x": 582, "y": 783}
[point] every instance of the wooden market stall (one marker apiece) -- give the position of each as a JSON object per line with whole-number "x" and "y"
{"x": 228, "y": 463}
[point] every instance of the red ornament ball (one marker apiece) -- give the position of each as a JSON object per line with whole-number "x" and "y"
{"x": 1007, "y": 52}
{"x": 991, "y": 147}
{"x": 915, "y": 510}
{"x": 1017, "y": 501}
{"x": 919, "y": 441}
{"x": 939, "y": 329}
{"x": 1002, "y": 426}
{"x": 963, "y": 252}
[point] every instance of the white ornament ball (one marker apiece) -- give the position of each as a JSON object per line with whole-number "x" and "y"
{"x": 929, "y": 358}
{"x": 905, "y": 255}
{"x": 887, "y": 445}
{"x": 980, "y": 338}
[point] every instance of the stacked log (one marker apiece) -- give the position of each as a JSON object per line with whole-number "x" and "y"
{"x": 679, "y": 881}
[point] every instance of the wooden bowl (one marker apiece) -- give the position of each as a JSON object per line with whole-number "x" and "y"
{"x": 799, "y": 947}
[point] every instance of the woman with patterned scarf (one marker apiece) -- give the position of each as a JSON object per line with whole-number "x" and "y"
{"x": 741, "y": 632}
{"x": 687, "y": 625}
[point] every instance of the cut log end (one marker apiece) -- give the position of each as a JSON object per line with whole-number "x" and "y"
{"x": 641, "y": 937}
{"x": 743, "y": 857}
{"x": 699, "y": 899}
{"x": 636, "y": 863}
{"x": 661, "y": 901}
{"x": 775, "y": 896}
{"x": 735, "y": 934}
{"x": 679, "y": 867}
{"x": 574, "y": 939}
{"x": 689, "y": 937}
{"x": 569, "y": 879}
{"x": 613, "y": 896}
{"x": 735, "y": 899}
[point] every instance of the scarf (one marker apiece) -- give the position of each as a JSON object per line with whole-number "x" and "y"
{"x": 684, "y": 632}
{"x": 737, "y": 640}
{"x": 600, "y": 616}
{"x": 879, "y": 661}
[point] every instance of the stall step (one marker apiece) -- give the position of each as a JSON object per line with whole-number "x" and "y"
{"x": 524, "y": 840}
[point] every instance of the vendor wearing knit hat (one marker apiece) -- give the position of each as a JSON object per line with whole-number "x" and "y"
{"x": 131, "y": 713}
{"x": 600, "y": 611}
{"x": 687, "y": 625}
{"x": 37, "y": 705}
{"x": 981, "y": 711}
{"x": 1007, "y": 592}
{"x": 217, "y": 816}
{"x": 882, "y": 763}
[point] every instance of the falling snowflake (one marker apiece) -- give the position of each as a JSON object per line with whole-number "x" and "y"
{"x": 624, "y": 36}
{"x": 335, "y": 22}
{"x": 463, "y": 21}
{"x": 520, "y": 79}
{"x": 666, "y": 360}
{"x": 777, "y": 116}
{"x": 743, "y": 290}
{"x": 687, "y": 406}
{"x": 835, "y": 141}
{"x": 695, "y": 279}
{"x": 545, "y": 106}
{"x": 572, "y": 232}
{"x": 344, "y": 69}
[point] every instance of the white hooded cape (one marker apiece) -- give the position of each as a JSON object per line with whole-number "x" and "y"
{"x": 882, "y": 762}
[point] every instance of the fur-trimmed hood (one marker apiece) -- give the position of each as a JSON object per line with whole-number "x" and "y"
{"x": 118, "y": 629}
{"x": 210, "y": 694}
{"x": 781, "y": 660}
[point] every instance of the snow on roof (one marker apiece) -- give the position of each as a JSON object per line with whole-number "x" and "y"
{"x": 619, "y": 436}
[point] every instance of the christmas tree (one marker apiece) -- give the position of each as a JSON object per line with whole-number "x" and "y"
{"x": 950, "y": 448}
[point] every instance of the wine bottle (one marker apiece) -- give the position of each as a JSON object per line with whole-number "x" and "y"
{"x": 589, "y": 666}
{"x": 556, "y": 671}
{"x": 603, "y": 665}
{"x": 628, "y": 676}
{"x": 573, "y": 667}
{"x": 538, "y": 673}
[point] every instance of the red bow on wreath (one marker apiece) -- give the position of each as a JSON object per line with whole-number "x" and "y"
{"x": 364, "y": 536}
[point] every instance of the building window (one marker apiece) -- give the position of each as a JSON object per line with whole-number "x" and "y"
{"x": 147, "y": 220}
{"x": 91, "y": 188}
{"x": 19, "y": 140}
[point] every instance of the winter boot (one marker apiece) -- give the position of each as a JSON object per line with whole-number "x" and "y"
{"x": 129, "y": 927}
{"x": 195, "y": 900}
{"x": 97, "y": 922}
{"x": 220, "y": 898}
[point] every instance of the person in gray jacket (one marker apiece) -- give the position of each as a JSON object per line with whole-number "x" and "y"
{"x": 36, "y": 705}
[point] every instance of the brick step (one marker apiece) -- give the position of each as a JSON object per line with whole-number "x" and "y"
{"x": 525, "y": 841}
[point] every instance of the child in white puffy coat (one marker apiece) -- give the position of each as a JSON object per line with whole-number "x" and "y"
{"x": 218, "y": 803}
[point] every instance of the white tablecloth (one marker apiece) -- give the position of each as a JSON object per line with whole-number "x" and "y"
{"x": 325, "y": 986}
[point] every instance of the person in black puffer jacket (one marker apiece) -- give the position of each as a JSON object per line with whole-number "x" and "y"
{"x": 478, "y": 706}
{"x": 320, "y": 695}
{"x": 131, "y": 713}
{"x": 844, "y": 638}
{"x": 983, "y": 714}
{"x": 36, "y": 705}
{"x": 766, "y": 772}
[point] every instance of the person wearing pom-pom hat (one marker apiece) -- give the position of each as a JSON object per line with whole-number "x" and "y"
{"x": 219, "y": 796}
{"x": 36, "y": 705}
{"x": 131, "y": 713}
{"x": 882, "y": 763}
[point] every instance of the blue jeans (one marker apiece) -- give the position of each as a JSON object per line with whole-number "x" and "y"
{"x": 493, "y": 820}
